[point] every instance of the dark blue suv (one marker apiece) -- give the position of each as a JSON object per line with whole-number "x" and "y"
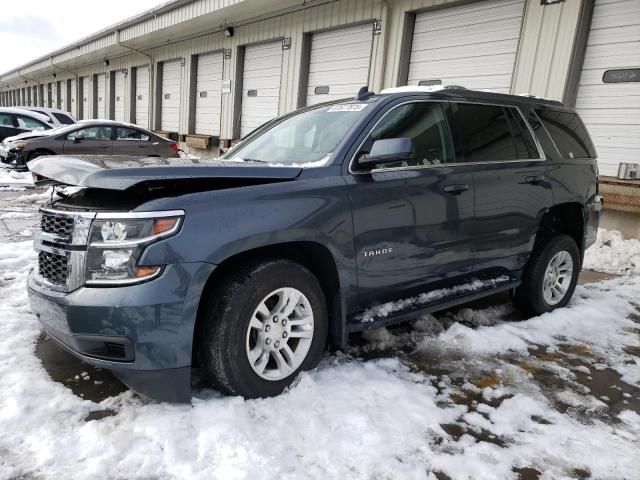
{"x": 330, "y": 220}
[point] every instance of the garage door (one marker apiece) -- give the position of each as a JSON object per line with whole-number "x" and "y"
{"x": 142, "y": 96}
{"x": 52, "y": 95}
{"x": 73, "y": 98}
{"x": 85, "y": 98}
{"x": 339, "y": 63}
{"x": 61, "y": 94}
{"x": 260, "y": 85}
{"x": 473, "y": 45}
{"x": 170, "y": 113}
{"x": 119, "y": 96}
{"x": 611, "y": 111}
{"x": 101, "y": 111}
{"x": 208, "y": 94}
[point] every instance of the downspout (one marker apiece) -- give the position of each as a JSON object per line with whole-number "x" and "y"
{"x": 152, "y": 103}
{"x": 384, "y": 17}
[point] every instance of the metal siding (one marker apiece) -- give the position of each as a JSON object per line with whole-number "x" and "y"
{"x": 340, "y": 59}
{"x": 142, "y": 96}
{"x": 611, "y": 111}
{"x": 262, "y": 72}
{"x": 209, "y": 81}
{"x": 119, "y": 96}
{"x": 472, "y": 45}
{"x": 170, "y": 103}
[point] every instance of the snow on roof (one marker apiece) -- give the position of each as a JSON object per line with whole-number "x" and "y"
{"x": 412, "y": 88}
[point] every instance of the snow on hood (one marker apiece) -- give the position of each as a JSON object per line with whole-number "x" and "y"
{"x": 122, "y": 172}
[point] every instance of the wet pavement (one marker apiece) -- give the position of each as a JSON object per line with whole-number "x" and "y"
{"x": 18, "y": 218}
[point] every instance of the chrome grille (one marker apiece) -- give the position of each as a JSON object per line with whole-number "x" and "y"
{"x": 53, "y": 268}
{"x": 59, "y": 225}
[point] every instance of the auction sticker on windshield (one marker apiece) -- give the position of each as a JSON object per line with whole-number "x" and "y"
{"x": 349, "y": 107}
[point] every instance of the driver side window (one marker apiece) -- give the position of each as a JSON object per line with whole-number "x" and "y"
{"x": 426, "y": 125}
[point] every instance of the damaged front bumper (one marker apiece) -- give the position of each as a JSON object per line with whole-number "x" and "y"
{"x": 142, "y": 333}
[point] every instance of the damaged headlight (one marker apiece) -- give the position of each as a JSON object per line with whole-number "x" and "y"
{"x": 116, "y": 243}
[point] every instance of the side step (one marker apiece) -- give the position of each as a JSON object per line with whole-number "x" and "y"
{"x": 414, "y": 307}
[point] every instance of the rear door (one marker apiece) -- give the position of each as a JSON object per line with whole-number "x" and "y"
{"x": 131, "y": 141}
{"x": 413, "y": 220}
{"x": 89, "y": 141}
{"x": 512, "y": 191}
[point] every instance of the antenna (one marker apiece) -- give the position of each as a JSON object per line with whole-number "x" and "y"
{"x": 363, "y": 93}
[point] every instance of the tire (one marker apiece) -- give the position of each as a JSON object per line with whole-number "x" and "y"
{"x": 228, "y": 336}
{"x": 531, "y": 297}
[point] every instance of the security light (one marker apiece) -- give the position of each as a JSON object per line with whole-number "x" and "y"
{"x": 228, "y": 32}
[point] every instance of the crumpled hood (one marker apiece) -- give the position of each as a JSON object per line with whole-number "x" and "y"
{"x": 27, "y": 136}
{"x": 123, "y": 172}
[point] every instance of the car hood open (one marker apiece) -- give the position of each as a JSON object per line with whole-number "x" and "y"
{"x": 122, "y": 172}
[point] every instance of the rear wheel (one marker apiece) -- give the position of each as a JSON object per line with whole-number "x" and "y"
{"x": 261, "y": 327}
{"x": 550, "y": 277}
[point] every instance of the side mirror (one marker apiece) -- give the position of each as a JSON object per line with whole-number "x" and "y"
{"x": 388, "y": 150}
{"x": 78, "y": 139}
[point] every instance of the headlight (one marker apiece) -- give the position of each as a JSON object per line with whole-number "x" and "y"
{"x": 116, "y": 244}
{"x": 20, "y": 145}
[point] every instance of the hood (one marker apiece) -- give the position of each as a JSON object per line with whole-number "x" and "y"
{"x": 121, "y": 172}
{"x": 30, "y": 135}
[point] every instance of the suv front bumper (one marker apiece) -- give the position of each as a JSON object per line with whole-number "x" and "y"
{"x": 143, "y": 333}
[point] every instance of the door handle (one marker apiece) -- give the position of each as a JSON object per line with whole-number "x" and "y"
{"x": 103, "y": 146}
{"x": 456, "y": 188}
{"x": 535, "y": 179}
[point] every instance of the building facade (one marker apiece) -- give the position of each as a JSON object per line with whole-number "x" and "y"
{"x": 207, "y": 72}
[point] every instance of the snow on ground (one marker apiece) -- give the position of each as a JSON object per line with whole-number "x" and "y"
{"x": 613, "y": 254}
{"x": 13, "y": 178}
{"x": 466, "y": 399}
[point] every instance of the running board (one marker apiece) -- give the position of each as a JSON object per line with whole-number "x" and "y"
{"x": 358, "y": 322}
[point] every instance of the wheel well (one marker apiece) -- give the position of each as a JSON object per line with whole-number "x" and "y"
{"x": 41, "y": 151}
{"x": 567, "y": 218}
{"x": 316, "y": 257}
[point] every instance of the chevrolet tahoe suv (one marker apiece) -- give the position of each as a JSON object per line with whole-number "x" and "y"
{"x": 331, "y": 220}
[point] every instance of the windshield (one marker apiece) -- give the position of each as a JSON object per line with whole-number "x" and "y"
{"x": 305, "y": 139}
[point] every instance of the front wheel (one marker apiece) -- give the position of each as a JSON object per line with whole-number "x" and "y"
{"x": 550, "y": 276}
{"x": 261, "y": 327}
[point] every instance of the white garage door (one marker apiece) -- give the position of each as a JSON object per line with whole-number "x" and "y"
{"x": 52, "y": 95}
{"x": 85, "y": 98}
{"x": 170, "y": 113}
{"x": 611, "y": 111}
{"x": 61, "y": 92}
{"x": 339, "y": 63}
{"x": 73, "y": 98}
{"x": 209, "y": 93}
{"x": 119, "y": 91}
{"x": 142, "y": 96}
{"x": 473, "y": 45}
{"x": 102, "y": 96}
{"x": 260, "y": 85}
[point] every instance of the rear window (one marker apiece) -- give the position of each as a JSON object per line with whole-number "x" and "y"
{"x": 63, "y": 119}
{"x": 568, "y": 133}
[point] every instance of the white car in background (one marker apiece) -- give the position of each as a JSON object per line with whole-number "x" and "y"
{"x": 56, "y": 116}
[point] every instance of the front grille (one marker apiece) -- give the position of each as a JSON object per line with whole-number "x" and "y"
{"x": 59, "y": 225}
{"x": 53, "y": 268}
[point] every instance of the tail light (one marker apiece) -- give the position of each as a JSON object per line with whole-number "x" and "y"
{"x": 174, "y": 147}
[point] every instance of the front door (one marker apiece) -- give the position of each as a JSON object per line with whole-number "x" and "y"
{"x": 510, "y": 180}
{"x": 413, "y": 219}
{"x": 89, "y": 141}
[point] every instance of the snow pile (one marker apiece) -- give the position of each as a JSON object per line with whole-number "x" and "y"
{"x": 14, "y": 178}
{"x": 385, "y": 309}
{"x": 348, "y": 419}
{"x": 612, "y": 254}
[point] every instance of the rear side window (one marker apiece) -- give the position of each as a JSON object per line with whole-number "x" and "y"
{"x": 63, "y": 119}
{"x": 568, "y": 133}
{"x": 486, "y": 132}
{"x": 6, "y": 120}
